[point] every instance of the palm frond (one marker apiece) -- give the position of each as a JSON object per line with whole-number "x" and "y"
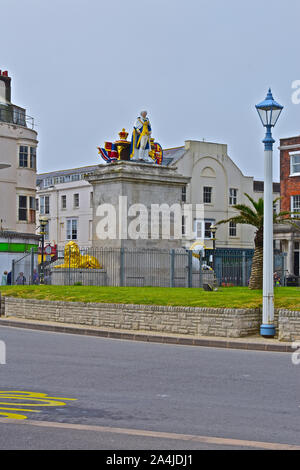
{"x": 248, "y": 216}
{"x": 236, "y": 220}
{"x": 258, "y": 205}
{"x": 289, "y": 221}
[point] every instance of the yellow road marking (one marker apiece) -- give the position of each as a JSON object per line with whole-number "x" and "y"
{"x": 47, "y": 402}
{"x": 42, "y": 399}
{"x": 18, "y": 393}
{"x": 19, "y": 409}
{"x": 160, "y": 435}
{"x": 12, "y": 416}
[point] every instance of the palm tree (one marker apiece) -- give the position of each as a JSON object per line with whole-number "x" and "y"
{"x": 255, "y": 216}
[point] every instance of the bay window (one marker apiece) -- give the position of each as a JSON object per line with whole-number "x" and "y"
{"x": 23, "y": 156}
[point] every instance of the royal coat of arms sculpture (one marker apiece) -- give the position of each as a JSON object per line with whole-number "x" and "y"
{"x": 141, "y": 148}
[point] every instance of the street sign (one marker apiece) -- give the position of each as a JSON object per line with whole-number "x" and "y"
{"x": 48, "y": 250}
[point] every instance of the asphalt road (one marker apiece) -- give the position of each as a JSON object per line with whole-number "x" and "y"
{"x": 132, "y": 395}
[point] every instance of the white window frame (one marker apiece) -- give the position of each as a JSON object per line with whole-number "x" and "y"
{"x": 63, "y": 198}
{"x": 292, "y": 155}
{"x": 293, "y": 206}
{"x": 211, "y": 222}
{"x": 231, "y": 226}
{"x": 75, "y": 177}
{"x": 199, "y": 228}
{"x": 24, "y": 154}
{"x": 211, "y": 194}
{"x": 43, "y": 205}
{"x": 233, "y": 195}
{"x": 70, "y": 228}
{"x": 76, "y": 200}
{"x": 48, "y": 182}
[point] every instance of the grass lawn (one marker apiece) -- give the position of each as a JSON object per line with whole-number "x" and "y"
{"x": 227, "y": 297}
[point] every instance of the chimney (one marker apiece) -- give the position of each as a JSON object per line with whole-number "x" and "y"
{"x": 5, "y": 87}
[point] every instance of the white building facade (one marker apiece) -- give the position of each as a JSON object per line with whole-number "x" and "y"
{"x": 18, "y": 154}
{"x": 65, "y": 197}
{"x": 218, "y": 184}
{"x": 18, "y": 149}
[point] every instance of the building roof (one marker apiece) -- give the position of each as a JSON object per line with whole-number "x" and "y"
{"x": 12, "y": 234}
{"x": 289, "y": 138}
{"x": 170, "y": 155}
{"x": 173, "y": 154}
{"x": 70, "y": 171}
{"x": 258, "y": 186}
{"x": 42, "y": 177}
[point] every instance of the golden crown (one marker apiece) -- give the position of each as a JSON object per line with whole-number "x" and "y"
{"x": 123, "y": 134}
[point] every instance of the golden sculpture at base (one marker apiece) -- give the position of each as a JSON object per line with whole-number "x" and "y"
{"x": 73, "y": 258}
{"x": 197, "y": 247}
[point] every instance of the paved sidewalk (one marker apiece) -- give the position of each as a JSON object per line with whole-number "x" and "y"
{"x": 249, "y": 343}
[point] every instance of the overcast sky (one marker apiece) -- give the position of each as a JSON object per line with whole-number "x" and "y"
{"x": 86, "y": 68}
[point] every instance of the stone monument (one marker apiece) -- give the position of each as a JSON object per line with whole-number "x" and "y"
{"x": 127, "y": 191}
{"x": 135, "y": 190}
{"x": 137, "y": 207}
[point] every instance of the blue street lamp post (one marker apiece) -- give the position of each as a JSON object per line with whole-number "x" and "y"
{"x": 269, "y": 112}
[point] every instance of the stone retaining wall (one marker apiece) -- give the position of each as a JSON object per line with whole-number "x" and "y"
{"x": 231, "y": 323}
{"x": 2, "y": 306}
{"x": 289, "y": 325}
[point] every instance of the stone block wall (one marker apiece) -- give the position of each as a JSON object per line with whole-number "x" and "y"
{"x": 230, "y": 323}
{"x": 2, "y": 305}
{"x": 289, "y": 325}
{"x": 192, "y": 321}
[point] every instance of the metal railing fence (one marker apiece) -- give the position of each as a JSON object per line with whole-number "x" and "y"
{"x": 144, "y": 267}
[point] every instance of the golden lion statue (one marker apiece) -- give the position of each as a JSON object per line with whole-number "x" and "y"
{"x": 73, "y": 258}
